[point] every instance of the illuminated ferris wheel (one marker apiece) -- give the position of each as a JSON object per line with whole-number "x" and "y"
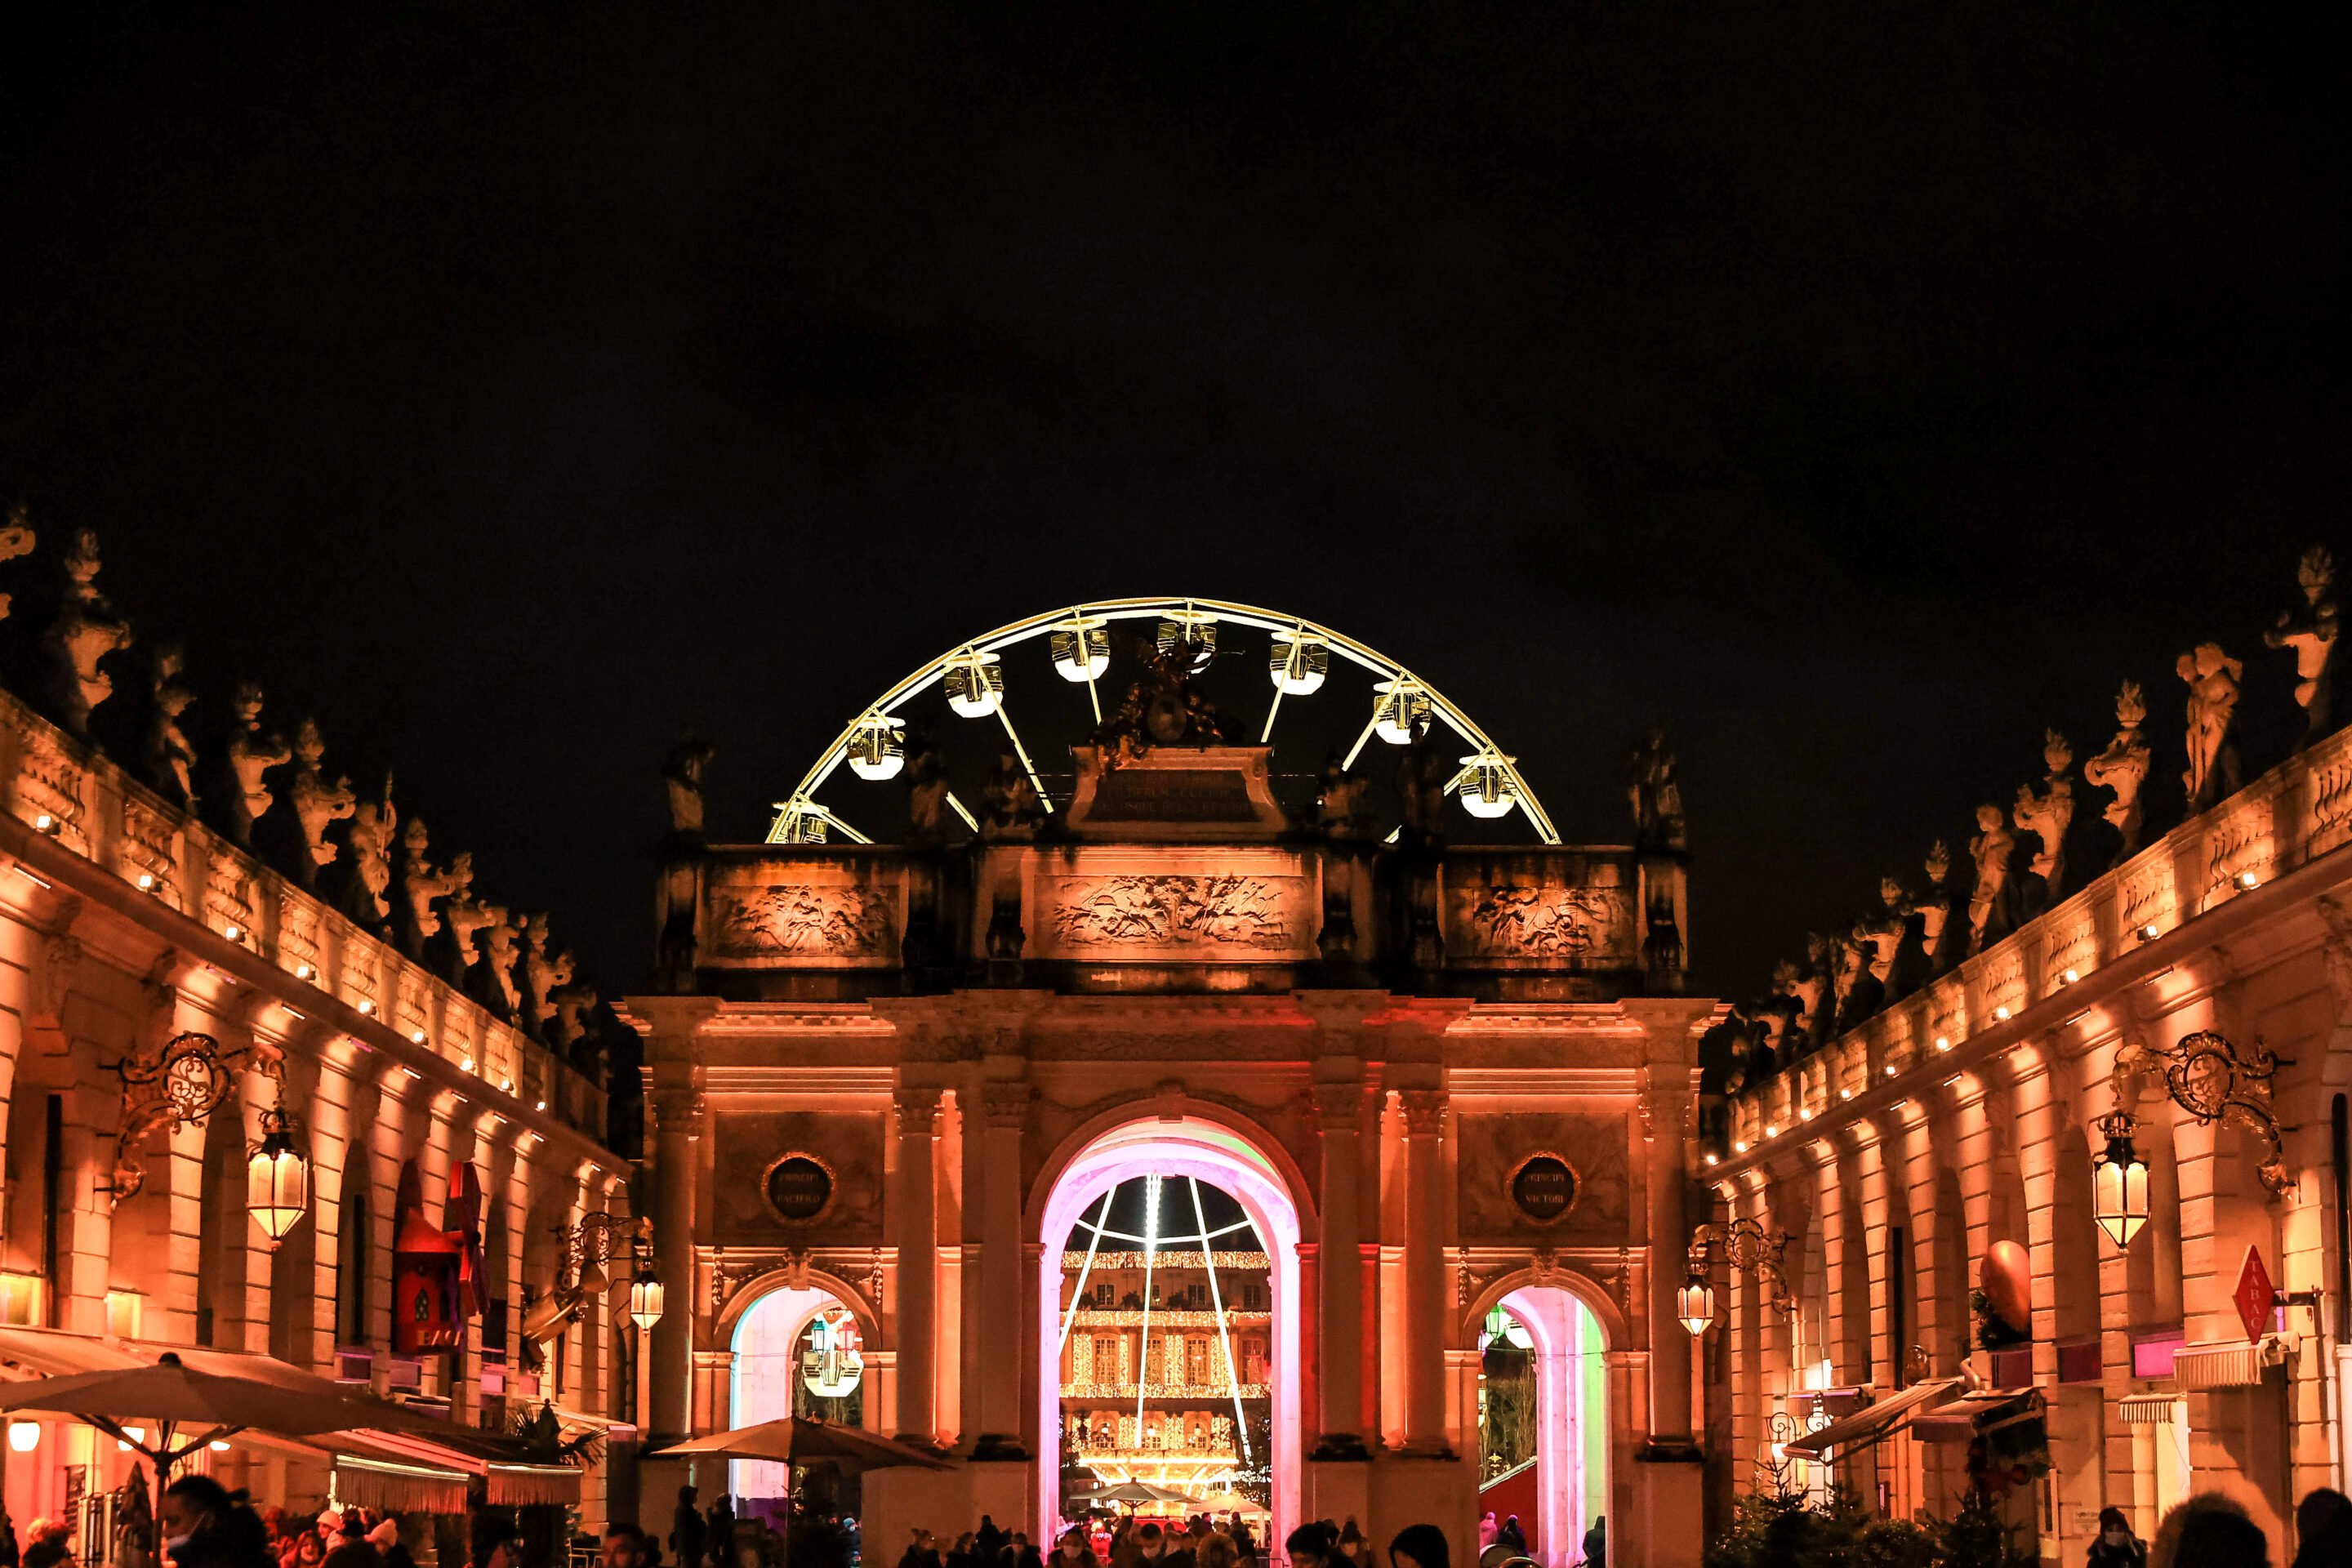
{"x": 981, "y": 679}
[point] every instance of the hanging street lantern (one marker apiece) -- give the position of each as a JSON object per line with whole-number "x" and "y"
{"x": 2119, "y": 1180}
{"x": 1400, "y": 707}
{"x": 1298, "y": 661}
{"x": 1487, "y": 788}
{"x": 1695, "y": 1305}
{"x": 975, "y": 684}
{"x": 877, "y": 752}
{"x": 1081, "y": 648}
{"x": 644, "y": 1290}
{"x": 277, "y": 1178}
{"x": 1188, "y": 639}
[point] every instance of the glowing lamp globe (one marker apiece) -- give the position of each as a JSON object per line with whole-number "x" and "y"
{"x": 2119, "y": 1183}
{"x": 1488, "y": 789}
{"x": 24, "y": 1436}
{"x": 1189, "y": 638}
{"x": 645, "y": 1303}
{"x": 1695, "y": 1305}
{"x": 876, "y": 751}
{"x": 1080, "y": 646}
{"x": 277, "y": 1179}
{"x": 1298, "y": 662}
{"x": 975, "y": 685}
{"x": 1402, "y": 705}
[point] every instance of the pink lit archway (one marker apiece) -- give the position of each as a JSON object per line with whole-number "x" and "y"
{"x": 1209, "y": 1151}
{"x": 765, "y": 1369}
{"x": 1557, "y": 1321}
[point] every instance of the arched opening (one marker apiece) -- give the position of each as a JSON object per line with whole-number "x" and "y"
{"x": 1151, "y": 1173}
{"x": 798, "y": 1351}
{"x": 1543, "y": 1420}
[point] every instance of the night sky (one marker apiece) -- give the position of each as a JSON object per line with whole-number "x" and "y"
{"x": 1855, "y": 387}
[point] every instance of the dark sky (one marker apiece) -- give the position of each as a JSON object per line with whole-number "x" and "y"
{"x": 1857, "y": 387}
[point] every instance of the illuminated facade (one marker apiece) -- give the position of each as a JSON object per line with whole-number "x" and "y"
{"x": 901, "y": 1051}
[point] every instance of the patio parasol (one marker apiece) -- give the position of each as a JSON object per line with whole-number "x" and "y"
{"x": 1135, "y": 1492}
{"x": 800, "y": 1440}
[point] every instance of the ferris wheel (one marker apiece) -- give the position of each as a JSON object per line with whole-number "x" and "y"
{"x": 979, "y": 683}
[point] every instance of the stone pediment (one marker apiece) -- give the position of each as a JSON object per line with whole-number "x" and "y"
{"x": 1176, "y": 795}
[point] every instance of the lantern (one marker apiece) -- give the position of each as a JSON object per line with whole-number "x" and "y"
{"x": 1695, "y": 1305}
{"x": 876, "y": 751}
{"x": 1081, "y": 648}
{"x": 2119, "y": 1182}
{"x": 23, "y": 1436}
{"x": 975, "y": 685}
{"x": 1298, "y": 662}
{"x": 1488, "y": 789}
{"x": 645, "y": 1302}
{"x": 1400, "y": 707}
{"x": 1189, "y": 639}
{"x": 277, "y": 1178}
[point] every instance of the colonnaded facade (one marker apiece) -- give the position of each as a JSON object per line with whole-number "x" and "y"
{"x": 2063, "y": 1214}
{"x": 170, "y": 999}
{"x": 1403, "y": 1082}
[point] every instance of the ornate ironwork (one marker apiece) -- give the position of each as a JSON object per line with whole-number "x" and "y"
{"x": 591, "y": 1239}
{"x": 1775, "y": 1466}
{"x": 179, "y": 1085}
{"x": 1751, "y": 1249}
{"x": 2208, "y": 1077}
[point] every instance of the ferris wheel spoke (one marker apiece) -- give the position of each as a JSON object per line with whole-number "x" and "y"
{"x": 1358, "y": 749}
{"x": 1022, "y": 752}
{"x": 963, "y": 811}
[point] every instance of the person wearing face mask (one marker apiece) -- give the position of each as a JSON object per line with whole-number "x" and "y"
{"x": 205, "y": 1527}
{"x": 1073, "y": 1550}
{"x": 2115, "y": 1546}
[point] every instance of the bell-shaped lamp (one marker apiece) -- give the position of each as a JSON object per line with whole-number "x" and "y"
{"x": 2119, "y": 1182}
{"x": 277, "y": 1179}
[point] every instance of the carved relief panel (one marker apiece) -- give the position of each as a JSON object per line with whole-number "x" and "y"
{"x": 785, "y": 914}
{"x": 1552, "y": 913}
{"x": 1496, "y": 1154}
{"x": 1173, "y": 905}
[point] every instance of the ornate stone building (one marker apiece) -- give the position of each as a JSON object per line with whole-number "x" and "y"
{"x": 1435, "y": 1077}
{"x": 164, "y": 994}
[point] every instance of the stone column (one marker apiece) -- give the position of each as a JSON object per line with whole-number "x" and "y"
{"x": 678, "y": 1129}
{"x": 1006, "y": 1106}
{"x": 919, "y": 1265}
{"x": 1339, "y": 1326}
{"x": 1424, "y": 1275}
{"x": 1666, "y": 1100}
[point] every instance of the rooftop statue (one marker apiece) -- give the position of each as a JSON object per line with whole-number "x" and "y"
{"x": 2047, "y": 816}
{"x": 2123, "y": 767}
{"x": 370, "y": 840}
{"x": 1810, "y": 985}
{"x": 462, "y": 914}
{"x": 1655, "y": 793}
{"x": 85, "y": 631}
{"x": 170, "y": 758}
{"x": 251, "y": 754}
{"x": 1422, "y": 772}
{"x": 569, "y": 1023}
{"x": 1009, "y": 805}
{"x": 420, "y": 884}
{"x": 1988, "y": 902}
{"x": 926, "y": 774}
{"x": 1859, "y": 990}
{"x": 491, "y": 981}
{"x": 543, "y": 975}
{"x": 689, "y": 761}
{"x": 2212, "y": 677}
{"x": 1340, "y": 803}
{"x": 315, "y": 804}
{"x": 1936, "y": 927}
{"x": 2310, "y": 630}
{"x": 15, "y": 539}
{"x": 1161, "y": 708}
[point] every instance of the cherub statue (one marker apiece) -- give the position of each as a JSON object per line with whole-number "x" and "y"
{"x": 1811, "y": 984}
{"x": 15, "y": 539}
{"x": 689, "y": 761}
{"x": 251, "y": 754}
{"x": 85, "y": 631}
{"x": 315, "y": 804}
{"x": 2310, "y": 632}
{"x": 170, "y": 758}
{"x": 372, "y": 824}
{"x": 2048, "y": 815}
{"x": 2212, "y": 677}
{"x": 571, "y": 1004}
{"x": 464, "y": 914}
{"x": 1936, "y": 906}
{"x": 420, "y": 884}
{"x": 2122, "y": 768}
{"x": 1988, "y": 907}
{"x": 1884, "y": 932}
{"x": 1009, "y": 805}
{"x": 491, "y": 982}
{"x": 1655, "y": 794}
{"x": 543, "y": 975}
{"x": 1340, "y": 801}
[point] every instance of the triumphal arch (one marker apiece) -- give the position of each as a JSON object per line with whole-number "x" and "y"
{"x": 1217, "y": 1081}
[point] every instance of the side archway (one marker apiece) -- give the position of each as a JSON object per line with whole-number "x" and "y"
{"x": 761, "y": 1327}
{"x": 1573, "y": 1323}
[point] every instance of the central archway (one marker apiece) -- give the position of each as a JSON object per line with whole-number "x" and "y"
{"x": 1220, "y": 1156}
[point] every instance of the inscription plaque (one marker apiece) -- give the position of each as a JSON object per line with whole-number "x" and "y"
{"x": 799, "y": 1188}
{"x": 1543, "y": 1188}
{"x": 1173, "y": 795}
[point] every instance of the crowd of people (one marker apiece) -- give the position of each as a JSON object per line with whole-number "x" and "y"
{"x": 2211, "y": 1531}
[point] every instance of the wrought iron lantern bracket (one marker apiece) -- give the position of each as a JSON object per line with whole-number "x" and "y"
{"x": 2212, "y": 1078}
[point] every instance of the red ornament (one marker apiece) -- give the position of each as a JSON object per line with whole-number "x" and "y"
{"x": 2255, "y": 1298}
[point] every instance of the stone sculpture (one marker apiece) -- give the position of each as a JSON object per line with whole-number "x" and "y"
{"x": 170, "y": 758}
{"x": 543, "y": 975}
{"x": 1009, "y": 808}
{"x": 1812, "y": 984}
{"x": 315, "y": 803}
{"x": 370, "y": 841}
{"x": 2311, "y": 630}
{"x": 464, "y": 914}
{"x": 2213, "y": 679}
{"x": 491, "y": 981}
{"x": 926, "y": 774}
{"x": 1340, "y": 801}
{"x": 1163, "y": 707}
{"x": 1859, "y": 990}
{"x": 2047, "y": 816}
{"x": 1655, "y": 793}
{"x": 251, "y": 754}
{"x": 1884, "y": 931}
{"x": 85, "y": 631}
{"x": 15, "y": 539}
{"x": 2123, "y": 767}
{"x": 1988, "y": 902}
{"x": 420, "y": 885}
{"x": 1422, "y": 772}
{"x": 689, "y": 761}
{"x": 571, "y": 1004}
{"x": 1936, "y": 908}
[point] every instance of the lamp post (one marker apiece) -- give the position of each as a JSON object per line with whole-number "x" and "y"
{"x": 2119, "y": 1180}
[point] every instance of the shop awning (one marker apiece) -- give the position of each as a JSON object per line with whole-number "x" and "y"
{"x": 2229, "y": 1364}
{"x": 512, "y": 1485}
{"x": 1961, "y": 1420}
{"x": 1873, "y": 1422}
{"x": 2147, "y": 1409}
{"x": 417, "y": 1489}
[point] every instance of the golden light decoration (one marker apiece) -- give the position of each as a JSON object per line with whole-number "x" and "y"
{"x": 1695, "y": 1306}
{"x": 975, "y": 684}
{"x": 1488, "y": 789}
{"x": 1189, "y": 637}
{"x": 1298, "y": 661}
{"x": 2119, "y": 1199}
{"x": 1080, "y": 646}
{"x": 277, "y": 1178}
{"x": 645, "y": 1302}
{"x": 1402, "y": 706}
{"x": 877, "y": 751}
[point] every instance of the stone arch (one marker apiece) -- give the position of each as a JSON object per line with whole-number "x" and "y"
{"x": 748, "y": 1295}
{"x": 2076, "y": 1249}
{"x": 1269, "y": 1150}
{"x": 1590, "y": 1294}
